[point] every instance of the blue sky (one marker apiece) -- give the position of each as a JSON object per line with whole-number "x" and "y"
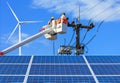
{"x": 107, "y": 40}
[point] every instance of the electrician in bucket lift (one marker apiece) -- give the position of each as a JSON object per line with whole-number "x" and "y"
{"x": 50, "y": 21}
{"x": 64, "y": 19}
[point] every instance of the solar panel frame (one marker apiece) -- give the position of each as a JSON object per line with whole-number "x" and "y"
{"x": 111, "y": 67}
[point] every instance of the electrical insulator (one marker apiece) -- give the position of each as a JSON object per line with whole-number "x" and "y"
{"x": 64, "y": 50}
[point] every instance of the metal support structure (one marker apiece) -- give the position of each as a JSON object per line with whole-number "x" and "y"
{"x": 78, "y": 46}
{"x": 78, "y": 32}
{"x": 79, "y": 49}
{"x": 29, "y": 39}
{"x": 77, "y": 37}
{"x": 28, "y": 69}
{"x": 20, "y": 35}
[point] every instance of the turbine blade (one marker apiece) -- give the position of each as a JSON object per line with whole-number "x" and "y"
{"x": 13, "y": 12}
{"x": 13, "y": 32}
{"x": 28, "y": 22}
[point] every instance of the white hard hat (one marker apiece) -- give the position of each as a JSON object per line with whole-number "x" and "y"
{"x": 52, "y": 17}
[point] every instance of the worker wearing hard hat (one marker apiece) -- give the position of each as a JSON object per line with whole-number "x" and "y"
{"x": 63, "y": 15}
{"x": 50, "y": 21}
{"x": 64, "y": 19}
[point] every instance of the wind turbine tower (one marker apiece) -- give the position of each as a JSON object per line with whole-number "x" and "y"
{"x": 19, "y": 27}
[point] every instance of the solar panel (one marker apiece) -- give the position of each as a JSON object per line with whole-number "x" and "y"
{"x": 13, "y": 69}
{"x": 106, "y": 69}
{"x": 109, "y": 79}
{"x": 103, "y": 59}
{"x": 15, "y": 59}
{"x": 58, "y": 59}
{"x": 60, "y": 69}
{"x": 11, "y": 79}
{"x": 60, "y": 79}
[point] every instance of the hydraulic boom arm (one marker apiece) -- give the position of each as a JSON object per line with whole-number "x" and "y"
{"x": 9, "y": 49}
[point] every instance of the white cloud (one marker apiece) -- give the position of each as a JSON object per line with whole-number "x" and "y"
{"x": 13, "y": 39}
{"x": 24, "y": 35}
{"x": 98, "y": 10}
{"x": 44, "y": 42}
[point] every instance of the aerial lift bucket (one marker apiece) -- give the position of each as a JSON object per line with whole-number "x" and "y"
{"x": 61, "y": 26}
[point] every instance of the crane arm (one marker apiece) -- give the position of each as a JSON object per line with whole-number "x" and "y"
{"x": 31, "y": 38}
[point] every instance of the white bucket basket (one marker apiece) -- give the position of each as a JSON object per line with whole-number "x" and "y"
{"x": 61, "y": 28}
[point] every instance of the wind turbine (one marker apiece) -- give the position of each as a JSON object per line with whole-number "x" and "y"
{"x": 19, "y": 27}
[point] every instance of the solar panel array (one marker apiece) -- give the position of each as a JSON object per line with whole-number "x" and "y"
{"x": 60, "y": 69}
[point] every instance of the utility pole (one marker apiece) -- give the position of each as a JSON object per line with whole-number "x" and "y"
{"x": 77, "y": 38}
{"x": 79, "y": 49}
{"x": 78, "y": 31}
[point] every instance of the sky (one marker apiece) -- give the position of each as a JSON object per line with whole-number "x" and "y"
{"x": 106, "y": 42}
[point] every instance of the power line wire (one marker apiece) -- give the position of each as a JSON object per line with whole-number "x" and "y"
{"x": 113, "y": 14}
{"x": 71, "y": 38}
{"x": 96, "y": 33}
{"x": 104, "y": 10}
{"x": 84, "y": 36}
{"x": 88, "y": 9}
{"x": 100, "y": 26}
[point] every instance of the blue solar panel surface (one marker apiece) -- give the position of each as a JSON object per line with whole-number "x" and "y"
{"x": 109, "y": 79}
{"x": 103, "y": 59}
{"x": 13, "y": 69}
{"x": 106, "y": 69}
{"x": 58, "y": 59}
{"x": 62, "y": 79}
{"x": 15, "y": 59}
{"x": 11, "y": 79}
{"x": 60, "y": 69}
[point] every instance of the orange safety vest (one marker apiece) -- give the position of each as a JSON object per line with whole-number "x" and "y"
{"x": 58, "y": 21}
{"x": 64, "y": 20}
